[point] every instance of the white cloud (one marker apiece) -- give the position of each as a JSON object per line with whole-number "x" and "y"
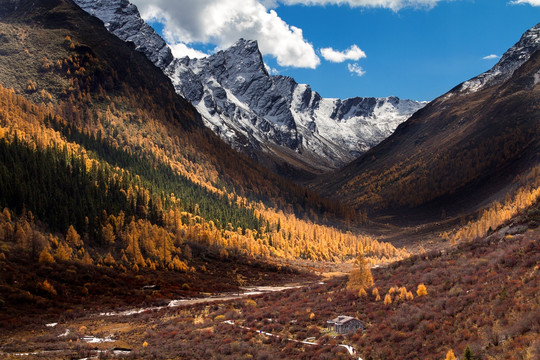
{"x": 270, "y": 70}
{"x": 356, "y": 69}
{"x": 181, "y": 50}
{"x": 353, "y": 53}
{"x": 394, "y": 5}
{"x": 491, "y": 57}
{"x": 530, "y": 2}
{"x": 223, "y": 22}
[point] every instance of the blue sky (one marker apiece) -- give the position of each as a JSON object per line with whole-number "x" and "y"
{"x": 416, "y": 52}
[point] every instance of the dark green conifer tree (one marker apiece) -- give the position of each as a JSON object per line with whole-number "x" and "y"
{"x": 468, "y": 355}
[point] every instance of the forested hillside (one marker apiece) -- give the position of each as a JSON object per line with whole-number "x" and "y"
{"x": 103, "y": 165}
{"x": 114, "y": 196}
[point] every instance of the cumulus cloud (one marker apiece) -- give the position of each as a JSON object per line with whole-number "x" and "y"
{"x": 356, "y": 69}
{"x": 353, "y": 53}
{"x": 223, "y": 22}
{"x": 491, "y": 57}
{"x": 394, "y": 5}
{"x": 270, "y": 70}
{"x": 530, "y": 2}
{"x": 181, "y": 50}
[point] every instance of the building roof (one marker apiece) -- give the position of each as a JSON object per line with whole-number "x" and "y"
{"x": 342, "y": 319}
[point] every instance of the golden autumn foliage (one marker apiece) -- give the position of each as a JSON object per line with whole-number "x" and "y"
{"x": 497, "y": 214}
{"x": 45, "y": 257}
{"x": 63, "y": 252}
{"x": 421, "y": 291}
{"x": 178, "y": 265}
{"x": 360, "y": 277}
{"x": 402, "y": 293}
{"x": 46, "y": 286}
{"x": 450, "y": 355}
{"x": 109, "y": 260}
{"x": 73, "y": 238}
{"x": 251, "y": 303}
{"x": 284, "y": 236}
{"x": 31, "y": 86}
{"x": 409, "y": 295}
{"x": 291, "y": 237}
{"x": 87, "y": 259}
{"x": 108, "y": 234}
{"x": 375, "y": 293}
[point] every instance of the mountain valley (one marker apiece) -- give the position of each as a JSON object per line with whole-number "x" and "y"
{"x": 282, "y": 124}
{"x": 148, "y": 208}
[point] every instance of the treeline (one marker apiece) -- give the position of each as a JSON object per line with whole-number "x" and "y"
{"x": 110, "y": 104}
{"x": 96, "y": 190}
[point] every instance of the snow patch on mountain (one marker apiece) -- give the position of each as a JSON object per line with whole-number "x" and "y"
{"x": 240, "y": 100}
{"x": 516, "y": 56}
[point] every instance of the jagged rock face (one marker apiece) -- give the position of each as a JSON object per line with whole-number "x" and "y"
{"x": 231, "y": 89}
{"x": 240, "y": 100}
{"x": 261, "y": 114}
{"x": 124, "y": 20}
{"x": 512, "y": 59}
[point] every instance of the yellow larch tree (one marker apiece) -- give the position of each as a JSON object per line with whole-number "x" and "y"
{"x": 421, "y": 291}
{"x": 450, "y": 355}
{"x": 360, "y": 277}
{"x": 45, "y": 257}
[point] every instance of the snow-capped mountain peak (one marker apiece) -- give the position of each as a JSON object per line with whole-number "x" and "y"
{"x": 271, "y": 118}
{"x": 240, "y": 100}
{"x": 511, "y": 60}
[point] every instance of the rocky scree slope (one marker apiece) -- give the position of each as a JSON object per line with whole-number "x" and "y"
{"x": 282, "y": 124}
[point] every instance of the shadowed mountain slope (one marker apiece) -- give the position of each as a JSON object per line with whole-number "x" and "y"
{"x": 459, "y": 153}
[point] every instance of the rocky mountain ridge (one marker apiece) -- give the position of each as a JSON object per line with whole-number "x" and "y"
{"x": 283, "y": 124}
{"x": 511, "y": 60}
{"x": 123, "y": 19}
{"x": 249, "y": 108}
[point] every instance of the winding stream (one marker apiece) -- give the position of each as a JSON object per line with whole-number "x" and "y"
{"x": 247, "y": 291}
